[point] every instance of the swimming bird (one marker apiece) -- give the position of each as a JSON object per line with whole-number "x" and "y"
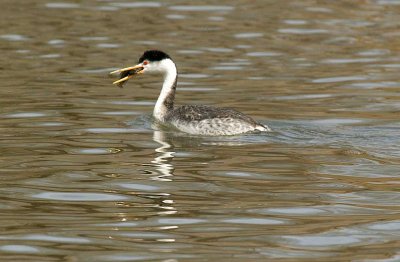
{"x": 192, "y": 119}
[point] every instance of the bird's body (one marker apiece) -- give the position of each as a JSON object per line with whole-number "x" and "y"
{"x": 208, "y": 120}
{"x": 192, "y": 119}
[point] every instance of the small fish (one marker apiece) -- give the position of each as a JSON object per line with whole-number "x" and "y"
{"x": 126, "y": 73}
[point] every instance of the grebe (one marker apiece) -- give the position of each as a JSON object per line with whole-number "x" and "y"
{"x": 192, "y": 119}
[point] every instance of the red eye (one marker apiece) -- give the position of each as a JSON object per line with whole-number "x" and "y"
{"x": 145, "y": 62}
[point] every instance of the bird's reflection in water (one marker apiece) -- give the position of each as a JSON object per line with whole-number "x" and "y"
{"x": 163, "y": 204}
{"x": 163, "y": 160}
{"x": 165, "y": 169}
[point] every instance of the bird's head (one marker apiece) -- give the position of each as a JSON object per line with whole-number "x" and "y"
{"x": 152, "y": 61}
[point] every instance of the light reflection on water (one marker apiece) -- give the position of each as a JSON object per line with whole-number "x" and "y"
{"x": 85, "y": 173}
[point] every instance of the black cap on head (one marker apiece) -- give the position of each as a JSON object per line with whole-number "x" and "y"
{"x": 153, "y": 55}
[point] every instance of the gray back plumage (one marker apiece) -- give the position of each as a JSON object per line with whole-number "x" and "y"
{"x": 201, "y": 112}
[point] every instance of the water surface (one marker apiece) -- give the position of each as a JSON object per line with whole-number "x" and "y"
{"x": 85, "y": 175}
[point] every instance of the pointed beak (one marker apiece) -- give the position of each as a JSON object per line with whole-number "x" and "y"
{"x": 127, "y": 73}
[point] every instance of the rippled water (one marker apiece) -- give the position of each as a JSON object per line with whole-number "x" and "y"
{"x": 85, "y": 175}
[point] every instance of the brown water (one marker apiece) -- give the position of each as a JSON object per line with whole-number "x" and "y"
{"x": 85, "y": 177}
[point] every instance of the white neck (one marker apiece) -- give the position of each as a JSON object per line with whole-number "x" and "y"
{"x": 165, "y": 101}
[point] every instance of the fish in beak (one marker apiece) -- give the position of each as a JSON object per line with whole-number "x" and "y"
{"x": 127, "y": 73}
